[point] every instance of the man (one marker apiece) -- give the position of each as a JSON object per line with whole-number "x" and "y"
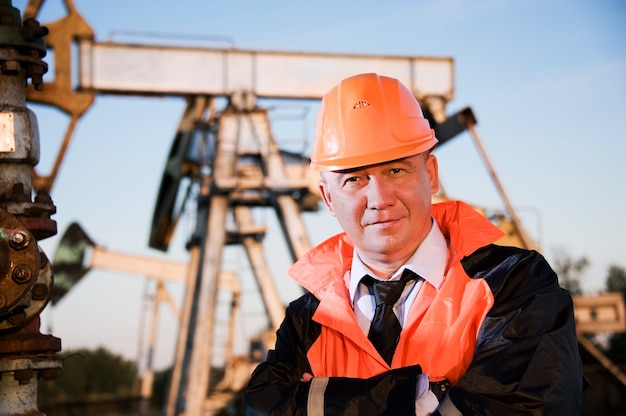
{"x": 484, "y": 329}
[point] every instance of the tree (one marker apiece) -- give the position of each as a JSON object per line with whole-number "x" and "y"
{"x": 569, "y": 271}
{"x": 90, "y": 373}
{"x": 616, "y": 282}
{"x": 616, "y": 279}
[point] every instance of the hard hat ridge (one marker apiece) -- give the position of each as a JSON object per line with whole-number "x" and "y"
{"x": 368, "y": 119}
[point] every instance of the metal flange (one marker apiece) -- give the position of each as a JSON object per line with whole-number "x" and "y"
{"x": 25, "y": 275}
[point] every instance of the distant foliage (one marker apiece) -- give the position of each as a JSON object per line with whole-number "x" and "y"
{"x": 616, "y": 282}
{"x": 569, "y": 271}
{"x": 616, "y": 279}
{"x": 161, "y": 383}
{"x": 88, "y": 374}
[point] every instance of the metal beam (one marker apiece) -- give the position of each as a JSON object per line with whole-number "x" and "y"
{"x": 197, "y": 383}
{"x": 267, "y": 287}
{"x": 150, "y": 70}
{"x": 155, "y": 268}
{"x": 293, "y": 226}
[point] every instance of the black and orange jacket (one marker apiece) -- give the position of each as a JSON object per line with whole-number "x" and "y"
{"x": 500, "y": 330}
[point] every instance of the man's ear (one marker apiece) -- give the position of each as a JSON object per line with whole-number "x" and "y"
{"x": 326, "y": 197}
{"x": 432, "y": 167}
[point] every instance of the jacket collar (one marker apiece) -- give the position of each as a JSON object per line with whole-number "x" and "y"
{"x": 465, "y": 229}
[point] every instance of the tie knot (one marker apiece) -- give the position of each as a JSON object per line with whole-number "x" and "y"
{"x": 388, "y": 291}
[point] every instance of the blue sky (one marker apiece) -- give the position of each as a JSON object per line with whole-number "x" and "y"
{"x": 546, "y": 80}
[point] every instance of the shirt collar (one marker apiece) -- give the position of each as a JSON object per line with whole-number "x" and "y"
{"x": 428, "y": 261}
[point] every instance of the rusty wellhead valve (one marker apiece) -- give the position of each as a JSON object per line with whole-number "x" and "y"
{"x": 25, "y": 275}
{"x": 26, "y": 278}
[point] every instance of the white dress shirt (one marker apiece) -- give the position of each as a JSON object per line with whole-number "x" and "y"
{"x": 428, "y": 261}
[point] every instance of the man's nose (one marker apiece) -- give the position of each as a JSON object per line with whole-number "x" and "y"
{"x": 379, "y": 194}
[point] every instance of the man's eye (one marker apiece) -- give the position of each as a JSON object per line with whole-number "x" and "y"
{"x": 395, "y": 171}
{"x": 352, "y": 180}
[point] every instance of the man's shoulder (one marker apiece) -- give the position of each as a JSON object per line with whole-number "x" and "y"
{"x": 299, "y": 318}
{"x": 306, "y": 301}
{"x": 482, "y": 261}
{"x": 303, "y": 308}
{"x": 511, "y": 272}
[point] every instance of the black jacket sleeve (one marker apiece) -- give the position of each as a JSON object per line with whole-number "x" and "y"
{"x": 275, "y": 387}
{"x": 526, "y": 359}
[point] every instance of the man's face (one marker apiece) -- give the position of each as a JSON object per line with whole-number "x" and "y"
{"x": 384, "y": 208}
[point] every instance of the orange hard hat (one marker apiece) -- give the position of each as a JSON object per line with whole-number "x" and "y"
{"x": 369, "y": 119}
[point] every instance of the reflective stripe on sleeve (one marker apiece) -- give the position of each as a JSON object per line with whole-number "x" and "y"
{"x": 447, "y": 408}
{"x": 315, "y": 403}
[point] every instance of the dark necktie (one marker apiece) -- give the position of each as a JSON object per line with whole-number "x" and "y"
{"x": 385, "y": 329}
